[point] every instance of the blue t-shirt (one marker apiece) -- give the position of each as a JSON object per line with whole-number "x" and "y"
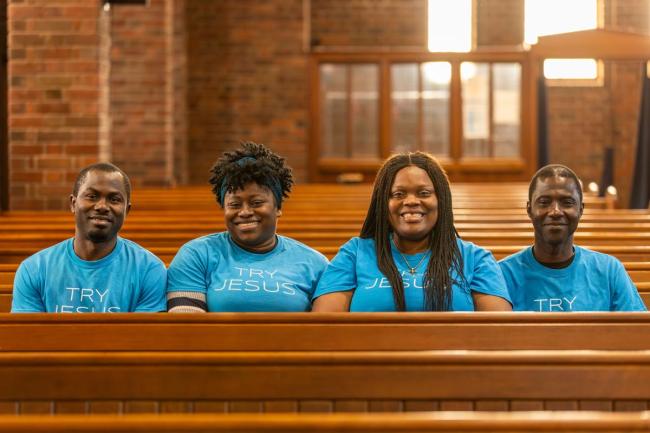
{"x": 56, "y": 280}
{"x": 355, "y": 268}
{"x": 234, "y": 279}
{"x": 592, "y": 282}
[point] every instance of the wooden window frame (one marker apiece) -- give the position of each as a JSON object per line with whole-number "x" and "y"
{"x": 458, "y": 167}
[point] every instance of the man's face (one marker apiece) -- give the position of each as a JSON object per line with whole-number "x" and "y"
{"x": 100, "y": 206}
{"x": 555, "y": 210}
{"x": 251, "y": 216}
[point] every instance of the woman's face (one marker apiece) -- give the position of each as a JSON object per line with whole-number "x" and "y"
{"x": 413, "y": 204}
{"x": 251, "y": 216}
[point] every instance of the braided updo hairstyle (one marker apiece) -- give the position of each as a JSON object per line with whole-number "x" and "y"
{"x": 252, "y": 162}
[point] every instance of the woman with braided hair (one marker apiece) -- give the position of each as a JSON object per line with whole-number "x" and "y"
{"x": 248, "y": 267}
{"x": 408, "y": 256}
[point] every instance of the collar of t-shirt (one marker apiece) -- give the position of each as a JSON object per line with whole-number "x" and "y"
{"x": 93, "y": 263}
{"x": 242, "y": 254}
{"x": 555, "y": 265}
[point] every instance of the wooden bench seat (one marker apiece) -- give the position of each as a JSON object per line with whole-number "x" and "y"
{"x": 334, "y": 239}
{"x": 301, "y": 224}
{"x": 501, "y": 380}
{"x": 429, "y": 422}
{"x": 312, "y": 332}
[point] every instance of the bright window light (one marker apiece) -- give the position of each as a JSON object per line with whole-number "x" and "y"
{"x": 572, "y": 69}
{"x": 450, "y": 25}
{"x": 548, "y": 17}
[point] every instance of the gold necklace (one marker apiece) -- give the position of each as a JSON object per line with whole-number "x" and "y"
{"x": 412, "y": 269}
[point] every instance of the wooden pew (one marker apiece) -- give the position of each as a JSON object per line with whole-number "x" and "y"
{"x": 311, "y": 332}
{"x": 328, "y": 239}
{"x": 422, "y": 422}
{"x": 630, "y": 253}
{"x": 317, "y": 381}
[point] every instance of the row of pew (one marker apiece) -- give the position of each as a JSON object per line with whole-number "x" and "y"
{"x": 256, "y": 372}
{"x": 326, "y": 216}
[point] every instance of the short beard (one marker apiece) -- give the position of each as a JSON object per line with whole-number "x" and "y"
{"x": 99, "y": 237}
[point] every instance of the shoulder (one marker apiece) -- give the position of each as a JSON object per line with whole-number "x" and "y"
{"x": 359, "y": 246}
{"x": 44, "y": 256}
{"x": 597, "y": 258}
{"x": 140, "y": 253}
{"x": 298, "y": 248}
{"x": 469, "y": 249}
{"x": 214, "y": 241}
{"x": 515, "y": 259}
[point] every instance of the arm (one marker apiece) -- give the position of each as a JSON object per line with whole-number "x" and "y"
{"x": 186, "y": 302}
{"x": 153, "y": 286}
{"x": 27, "y": 290}
{"x": 333, "y": 302}
{"x": 186, "y": 282}
{"x": 624, "y": 294}
{"x": 489, "y": 290}
{"x": 336, "y": 285}
{"x": 483, "y": 302}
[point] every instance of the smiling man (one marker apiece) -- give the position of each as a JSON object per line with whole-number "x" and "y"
{"x": 96, "y": 271}
{"x": 554, "y": 275}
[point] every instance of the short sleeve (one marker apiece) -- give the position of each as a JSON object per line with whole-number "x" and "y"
{"x": 486, "y": 276}
{"x": 27, "y": 290}
{"x": 341, "y": 273}
{"x": 319, "y": 266}
{"x": 188, "y": 271}
{"x": 152, "y": 296}
{"x": 624, "y": 294}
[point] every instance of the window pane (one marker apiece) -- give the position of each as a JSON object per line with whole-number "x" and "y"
{"x": 365, "y": 110}
{"x": 475, "y": 81}
{"x": 586, "y": 69}
{"x": 547, "y": 17}
{"x": 333, "y": 110}
{"x": 436, "y": 79}
{"x": 450, "y": 25}
{"x": 506, "y": 78}
{"x": 404, "y": 101}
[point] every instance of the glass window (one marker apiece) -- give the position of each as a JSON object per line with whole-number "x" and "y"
{"x": 349, "y": 112}
{"x": 450, "y": 25}
{"x": 365, "y": 111}
{"x": 404, "y": 103}
{"x": 333, "y": 109}
{"x": 420, "y": 107}
{"x": 491, "y": 97}
{"x": 506, "y": 80}
{"x": 475, "y": 79}
{"x": 571, "y": 69}
{"x": 549, "y": 17}
{"x": 436, "y": 80}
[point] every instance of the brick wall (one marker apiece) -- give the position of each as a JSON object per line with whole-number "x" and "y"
{"x": 53, "y": 94}
{"x": 369, "y": 23}
{"x": 583, "y": 121}
{"x": 138, "y": 92}
{"x": 499, "y": 22}
{"x": 177, "y": 88}
{"x": 247, "y": 80}
{"x": 162, "y": 90}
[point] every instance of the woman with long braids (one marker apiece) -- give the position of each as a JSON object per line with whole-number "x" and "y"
{"x": 408, "y": 256}
{"x": 248, "y": 267}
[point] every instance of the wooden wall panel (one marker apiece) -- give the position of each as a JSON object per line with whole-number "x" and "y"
{"x": 36, "y": 407}
{"x": 105, "y": 407}
{"x": 281, "y": 406}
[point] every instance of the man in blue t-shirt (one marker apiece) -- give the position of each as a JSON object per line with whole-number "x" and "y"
{"x": 96, "y": 271}
{"x": 554, "y": 274}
